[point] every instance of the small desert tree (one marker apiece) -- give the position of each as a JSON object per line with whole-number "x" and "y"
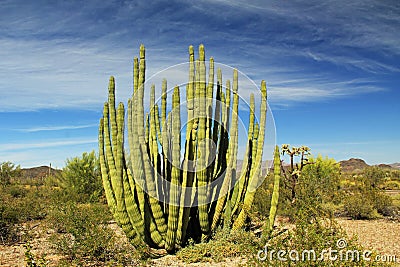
{"x": 374, "y": 176}
{"x": 319, "y": 185}
{"x": 321, "y": 178}
{"x": 8, "y": 170}
{"x": 292, "y": 173}
{"x": 81, "y": 177}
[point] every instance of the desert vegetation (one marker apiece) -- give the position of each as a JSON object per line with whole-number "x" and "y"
{"x": 160, "y": 192}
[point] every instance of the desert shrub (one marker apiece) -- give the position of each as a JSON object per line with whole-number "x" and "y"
{"x": 16, "y": 191}
{"x": 358, "y": 207}
{"x": 317, "y": 191}
{"x": 366, "y": 199}
{"x": 374, "y": 176}
{"x": 224, "y": 244}
{"x": 8, "y": 171}
{"x": 321, "y": 178}
{"x": 83, "y": 234}
{"x": 395, "y": 175}
{"x": 396, "y": 200}
{"x": 262, "y": 200}
{"x": 318, "y": 235}
{"x": 18, "y": 205}
{"x": 81, "y": 179}
{"x": 380, "y": 201}
{"x": 8, "y": 219}
{"x": 392, "y": 185}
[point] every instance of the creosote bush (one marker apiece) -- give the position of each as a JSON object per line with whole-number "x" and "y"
{"x": 366, "y": 199}
{"x": 83, "y": 235}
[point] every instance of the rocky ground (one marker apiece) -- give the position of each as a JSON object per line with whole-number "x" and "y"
{"x": 379, "y": 235}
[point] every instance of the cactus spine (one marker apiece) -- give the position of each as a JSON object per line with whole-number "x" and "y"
{"x": 150, "y": 188}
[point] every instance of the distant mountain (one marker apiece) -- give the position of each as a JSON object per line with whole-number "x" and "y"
{"x": 395, "y": 165}
{"x": 384, "y": 166}
{"x": 38, "y": 172}
{"x": 353, "y": 165}
{"x": 357, "y": 165}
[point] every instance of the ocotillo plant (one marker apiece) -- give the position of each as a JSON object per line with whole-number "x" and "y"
{"x": 161, "y": 197}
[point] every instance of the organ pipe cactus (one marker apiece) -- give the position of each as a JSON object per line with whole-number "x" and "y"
{"x": 160, "y": 197}
{"x": 269, "y": 225}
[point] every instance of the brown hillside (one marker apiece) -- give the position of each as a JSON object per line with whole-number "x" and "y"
{"x": 38, "y": 172}
{"x": 395, "y": 165}
{"x": 353, "y": 165}
{"x": 384, "y": 166}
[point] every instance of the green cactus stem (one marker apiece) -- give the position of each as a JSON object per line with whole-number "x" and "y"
{"x": 275, "y": 195}
{"x": 151, "y": 188}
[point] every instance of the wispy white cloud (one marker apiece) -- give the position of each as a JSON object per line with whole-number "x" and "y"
{"x": 47, "y": 144}
{"x": 56, "y": 128}
{"x": 366, "y": 64}
{"x": 57, "y": 61}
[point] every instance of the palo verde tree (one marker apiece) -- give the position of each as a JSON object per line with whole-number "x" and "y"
{"x": 170, "y": 186}
{"x": 81, "y": 177}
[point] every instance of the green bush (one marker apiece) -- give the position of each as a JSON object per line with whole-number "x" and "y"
{"x": 262, "y": 201}
{"x": 8, "y": 171}
{"x": 358, "y": 207}
{"x": 392, "y": 185}
{"x": 380, "y": 201}
{"x": 318, "y": 235}
{"x": 317, "y": 191}
{"x": 83, "y": 234}
{"x": 374, "y": 176}
{"x": 16, "y": 191}
{"x": 31, "y": 259}
{"x": 223, "y": 245}
{"x": 81, "y": 178}
{"x": 18, "y": 205}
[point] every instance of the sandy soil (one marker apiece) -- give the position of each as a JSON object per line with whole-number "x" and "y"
{"x": 381, "y": 235}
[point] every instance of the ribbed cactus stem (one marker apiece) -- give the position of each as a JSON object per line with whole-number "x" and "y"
{"x": 175, "y": 178}
{"x": 135, "y": 153}
{"x": 254, "y": 179}
{"x": 163, "y": 102}
{"x": 230, "y": 170}
{"x": 112, "y": 111}
{"x": 202, "y": 178}
{"x": 188, "y": 174}
{"x": 113, "y": 159}
{"x": 147, "y": 128}
{"x": 152, "y": 213}
{"x": 105, "y": 173}
{"x": 153, "y": 121}
{"x": 241, "y": 184}
{"x": 148, "y": 170}
{"x": 275, "y": 195}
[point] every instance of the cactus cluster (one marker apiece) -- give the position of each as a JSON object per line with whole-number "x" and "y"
{"x": 160, "y": 197}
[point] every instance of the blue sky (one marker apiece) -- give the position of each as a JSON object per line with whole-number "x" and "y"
{"x": 332, "y": 68}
